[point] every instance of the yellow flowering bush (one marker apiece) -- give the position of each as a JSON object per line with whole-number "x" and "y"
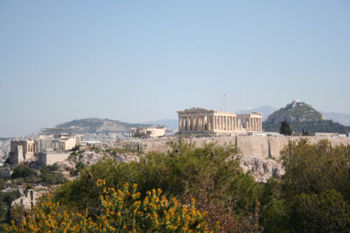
{"x": 123, "y": 211}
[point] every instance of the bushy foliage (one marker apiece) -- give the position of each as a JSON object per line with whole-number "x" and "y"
{"x": 6, "y": 199}
{"x": 316, "y": 168}
{"x": 324, "y": 212}
{"x": 314, "y": 194}
{"x": 22, "y": 171}
{"x": 210, "y": 174}
{"x": 50, "y": 176}
{"x": 2, "y": 183}
{"x": 122, "y": 210}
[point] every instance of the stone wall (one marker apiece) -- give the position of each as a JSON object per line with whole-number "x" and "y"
{"x": 262, "y": 147}
{"x": 49, "y": 158}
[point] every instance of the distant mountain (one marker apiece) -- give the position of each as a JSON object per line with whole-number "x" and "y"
{"x": 92, "y": 125}
{"x": 342, "y": 118}
{"x": 302, "y": 116}
{"x": 170, "y": 123}
{"x": 265, "y": 110}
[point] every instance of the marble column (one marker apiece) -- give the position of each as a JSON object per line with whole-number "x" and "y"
{"x": 211, "y": 123}
{"x": 198, "y": 123}
{"x": 225, "y": 123}
{"x": 180, "y": 124}
{"x": 222, "y": 122}
{"x": 203, "y": 123}
{"x": 191, "y": 123}
{"x": 260, "y": 124}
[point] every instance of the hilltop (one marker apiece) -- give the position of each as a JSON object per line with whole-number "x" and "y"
{"x": 93, "y": 125}
{"x": 302, "y": 116}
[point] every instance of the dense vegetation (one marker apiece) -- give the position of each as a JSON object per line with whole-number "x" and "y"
{"x": 313, "y": 195}
{"x": 219, "y": 186}
{"x": 6, "y": 199}
{"x": 49, "y": 175}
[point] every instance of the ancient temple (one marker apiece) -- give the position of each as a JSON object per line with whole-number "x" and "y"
{"x": 200, "y": 120}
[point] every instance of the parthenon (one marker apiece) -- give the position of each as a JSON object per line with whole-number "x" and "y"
{"x": 200, "y": 120}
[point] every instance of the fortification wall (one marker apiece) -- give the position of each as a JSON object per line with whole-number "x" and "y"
{"x": 262, "y": 147}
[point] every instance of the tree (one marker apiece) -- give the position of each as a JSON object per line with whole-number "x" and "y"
{"x": 285, "y": 128}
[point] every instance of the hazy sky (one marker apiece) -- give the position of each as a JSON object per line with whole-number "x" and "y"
{"x": 143, "y": 60}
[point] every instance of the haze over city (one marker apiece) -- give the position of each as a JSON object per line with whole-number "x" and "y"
{"x": 138, "y": 61}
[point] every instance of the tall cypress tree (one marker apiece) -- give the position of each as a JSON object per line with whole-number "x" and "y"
{"x": 285, "y": 128}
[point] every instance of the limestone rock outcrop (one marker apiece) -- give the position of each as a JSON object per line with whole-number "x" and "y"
{"x": 261, "y": 169}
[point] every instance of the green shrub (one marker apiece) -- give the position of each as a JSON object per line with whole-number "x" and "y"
{"x": 22, "y": 171}
{"x": 2, "y": 183}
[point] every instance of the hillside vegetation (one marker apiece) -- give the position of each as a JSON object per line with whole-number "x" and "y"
{"x": 313, "y": 195}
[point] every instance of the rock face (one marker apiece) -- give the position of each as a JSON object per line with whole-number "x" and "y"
{"x": 90, "y": 157}
{"x": 302, "y": 116}
{"x": 261, "y": 169}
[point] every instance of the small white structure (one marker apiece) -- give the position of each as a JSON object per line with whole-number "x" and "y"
{"x": 29, "y": 197}
{"x": 152, "y": 132}
{"x": 28, "y": 201}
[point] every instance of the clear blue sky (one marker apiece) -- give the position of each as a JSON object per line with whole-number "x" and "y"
{"x": 143, "y": 60}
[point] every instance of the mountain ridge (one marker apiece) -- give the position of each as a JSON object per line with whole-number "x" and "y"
{"x": 93, "y": 125}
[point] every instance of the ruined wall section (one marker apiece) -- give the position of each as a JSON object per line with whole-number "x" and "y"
{"x": 262, "y": 147}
